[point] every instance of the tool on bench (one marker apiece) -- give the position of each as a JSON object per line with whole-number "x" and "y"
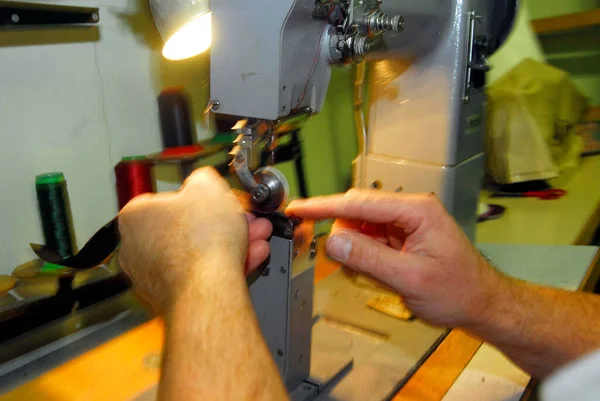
{"x": 546, "y": 194}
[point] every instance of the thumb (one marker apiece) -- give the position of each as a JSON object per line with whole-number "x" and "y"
{"x": 366, "y": 255}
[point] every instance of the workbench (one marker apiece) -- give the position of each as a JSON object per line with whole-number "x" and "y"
{"x": 461, "y": 368}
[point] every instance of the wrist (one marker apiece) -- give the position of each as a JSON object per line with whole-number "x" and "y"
{"x": 212, "y": 275}
{"x": 495, "y": 293}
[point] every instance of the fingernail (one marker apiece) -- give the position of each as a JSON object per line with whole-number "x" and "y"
{"x": 339, "y": 247}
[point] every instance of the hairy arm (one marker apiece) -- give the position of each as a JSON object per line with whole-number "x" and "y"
{"x": 185, "y": 252}
{"x": 214, "y": 348}
{"x": 539, "y": 328}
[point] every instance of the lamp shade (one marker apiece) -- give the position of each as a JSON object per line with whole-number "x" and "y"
{"x": 185, "y": 26}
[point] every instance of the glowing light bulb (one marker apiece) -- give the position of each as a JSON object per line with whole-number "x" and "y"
{"x": 190, "y": 40}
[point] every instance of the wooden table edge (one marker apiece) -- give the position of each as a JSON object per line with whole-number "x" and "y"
{"x": 461, "y": 357}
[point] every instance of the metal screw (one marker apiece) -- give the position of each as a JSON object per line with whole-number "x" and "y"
{"x": 284, "y": 87}
{"x": 260, "y": 193}
{"x": 15, "y": 18}
{"x": 266, "y": 271}
{"x": 282, "y": 269}
{"x": 279, "y": 352}
{"x": 216, "y": 105}
{"x": 95, "y": 17}
{"x": 377, "y": 184}
{"x": 284, "y": 108}
{"x": 297, "y": 294}
{"x": 399, "y": 189}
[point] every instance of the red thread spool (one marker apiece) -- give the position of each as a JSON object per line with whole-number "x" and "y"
{"x": 134, "y": 177}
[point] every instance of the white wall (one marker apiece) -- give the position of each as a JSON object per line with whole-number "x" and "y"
{"x": 78, "y": 108}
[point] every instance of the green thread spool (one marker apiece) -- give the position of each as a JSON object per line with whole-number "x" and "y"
{"x": 55, "y": 213}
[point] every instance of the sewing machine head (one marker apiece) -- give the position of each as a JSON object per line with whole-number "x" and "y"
{"x": 271, "y": 61}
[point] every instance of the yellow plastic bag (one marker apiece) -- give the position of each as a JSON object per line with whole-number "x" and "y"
{"x": 531, "y": 127}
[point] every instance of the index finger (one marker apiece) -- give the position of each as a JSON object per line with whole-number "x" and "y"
{"x": 408, "y": 211}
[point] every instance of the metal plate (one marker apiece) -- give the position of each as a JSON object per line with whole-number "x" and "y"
{"x": 386, "y": 351}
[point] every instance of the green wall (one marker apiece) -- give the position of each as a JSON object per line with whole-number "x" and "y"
{"x": 329, "y": 140}
{"x": 577, "y": 52}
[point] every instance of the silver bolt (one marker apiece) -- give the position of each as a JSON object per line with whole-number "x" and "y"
{"x": 260, "y": 193}
{"x": 376, "y": 184}
{"x": 266, "y": 271}
{"x": 15, "y": 18}
{"x": 95, "y": 17}
{"x": 215, "y": 105}
{"x": 283, "y": 269}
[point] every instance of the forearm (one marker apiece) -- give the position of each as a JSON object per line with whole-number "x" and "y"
{"x": 539, "y": 328}
{"x": 214, "y": 349}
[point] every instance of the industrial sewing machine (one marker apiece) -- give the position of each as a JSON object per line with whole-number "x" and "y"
{"x": 270, "y": 65}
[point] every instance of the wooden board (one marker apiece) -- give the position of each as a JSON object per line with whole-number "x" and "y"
{"x": 440, "y": 371}
{"x": 489, "y": 376}
{"x": 567, "y": 22}
{"x": 117, "y": 370}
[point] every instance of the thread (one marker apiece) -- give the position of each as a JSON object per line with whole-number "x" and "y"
{"x": 55, "y": 213}
{"x": 134, "y": 177}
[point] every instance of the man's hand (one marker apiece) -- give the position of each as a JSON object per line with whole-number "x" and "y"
{"x": 185, "y": 252}
{"x": 168, "y": 239}
{"x": 410, "y": 243}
